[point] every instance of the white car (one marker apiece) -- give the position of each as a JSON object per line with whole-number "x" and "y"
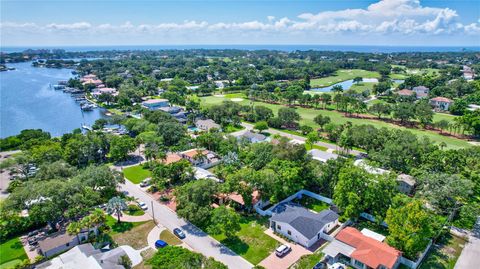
{"x": 282, "y": 250}
{"x": 337, "y": 265}
{"x": 142, "y": 205}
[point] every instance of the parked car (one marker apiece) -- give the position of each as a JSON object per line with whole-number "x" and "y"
{"x": 337, "y": 265}
{"x": 320, "y": 265}
{"x": 179, "y": 233}
{"x": 145, "y": 183}
{"x": 282, "y": 250}
{"x": 142, "y": 205}
{"x": 160, "y": 244}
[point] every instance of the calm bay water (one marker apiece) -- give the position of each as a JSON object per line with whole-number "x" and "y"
{"x": 28, "y": 102}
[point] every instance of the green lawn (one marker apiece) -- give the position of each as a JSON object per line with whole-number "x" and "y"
{"x": 445, "y": 256}
{"x": 235, "y": 95}
{"x": 170, "y": 238}
{"x": 313, "y": 204}
{"x": 136, "y": 173}
{"x": 122, "y": 227}
{"x": 231, "y": 128}
{"x": 250, "y": 242}
{"x": 135, "y": 237}
{"x": 316, "y": 147}
{"x": 134, "y": 210}
{"x": 11, "y": 252}
{"x": 342, "y": 75}
{"x": 308, "y": 114}
{"x": 363, "y": 86}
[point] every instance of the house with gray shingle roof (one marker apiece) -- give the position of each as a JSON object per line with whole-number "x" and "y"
{"x": 252, "y": 137}
{"x": 302, "y": 225}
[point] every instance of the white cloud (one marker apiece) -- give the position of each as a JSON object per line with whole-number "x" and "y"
{"x": 399, "y": 17}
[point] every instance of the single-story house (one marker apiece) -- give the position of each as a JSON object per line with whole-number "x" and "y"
{"x": 86, "y": 256}
{"x": 59, "y": 242}
{"x": 172, "y": 158}
{"x": 362, "y": 250}
{"x": 322, "y": 156}
{"x": 421, "y": 91}
{"x": 302, "y": 225}
{"x": 154, "y": 104}
{"x": 252, "y": 137}
{"x": 207, "y": 125}
{"x": 237, "y": 198}
{"x": 406, "y": 183}
{"x": 441, "y": 103}
{"x": 200, "y": 173}
{"x": 201, "y": 158}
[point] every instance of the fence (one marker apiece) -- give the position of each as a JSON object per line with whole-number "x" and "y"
{"x": 415, "y": 264}
{"x": 297, "y": 195}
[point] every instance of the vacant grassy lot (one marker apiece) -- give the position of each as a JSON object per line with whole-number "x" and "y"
{"x": 445, "y": 255}
{"x": 342, "y": 75}
{"x": 136, "y": 236}
{"x": 136, "y": 173}
{"x": 117, "y": 228}
{"x": 170, "y": 238}
{"x": 250, "y": 242}
{"x": 11, "y": 253}
{"x": 308, "y": 114}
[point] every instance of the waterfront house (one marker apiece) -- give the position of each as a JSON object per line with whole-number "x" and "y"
{"x": 99, "y": 91}
{"x": 207, "y": 125}
{"x": 362, "y": 250}
{"x": 441, "y": 103}
{"x": 302, "y": 225}
{"x": 421, "y": 91}
{"x": 155, "y": 104}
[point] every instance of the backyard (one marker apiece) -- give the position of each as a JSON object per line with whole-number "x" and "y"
{"x": 444, "y": 254}
{"x": 136, "y": 173}
{"x": 308, "y": 114}
{"x": 135, "y": 236}
{"x": 312, "y": 204}
{"x": 250, "y": 242}
{"x": 11, "y": 253}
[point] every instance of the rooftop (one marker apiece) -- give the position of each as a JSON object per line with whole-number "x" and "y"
{"x": 194, "y": 152}
{"x": 322, "y": 156}
{"x": 405, "y": 92}
{"x": 172, "y": 158}
{"x": 154, "y": 101}
{"x": 250, "y": 135}
{"x": 368, "y": 250}
{"x": 55, "y": 240}
{"x": 441, "y": 99}
{"x": 303, "y": 220}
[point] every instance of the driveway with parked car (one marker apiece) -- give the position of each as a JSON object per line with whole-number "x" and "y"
{"x": 282, "y": 257}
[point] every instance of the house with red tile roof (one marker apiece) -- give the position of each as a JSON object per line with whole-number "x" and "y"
{"x": 362, "y": 250}
{"x": 441, "y": 103}
{"x": 172, "y": 158}
{"x": 201, "y": 157}
{"x": 405, "y": 92}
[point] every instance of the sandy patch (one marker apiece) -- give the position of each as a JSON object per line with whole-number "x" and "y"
{"x": 237, "y": 99}
{"x": 219, "y": 95}
{"x": 475, "y": 143}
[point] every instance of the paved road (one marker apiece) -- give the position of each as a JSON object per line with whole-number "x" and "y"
{"x": 249, "y": 126}
{"x": 470, "y": 257}
{"x": 196, "y": 238}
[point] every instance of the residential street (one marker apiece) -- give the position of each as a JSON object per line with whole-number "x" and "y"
{"x": 196, "y": 238}
{"x": 470, "y": 257}
{"x": 249, "y": 126}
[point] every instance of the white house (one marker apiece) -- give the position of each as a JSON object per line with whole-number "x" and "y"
{"x": 302, "y": 225}
{"x": 421, "y": 91}
{"x": 322, "y": 156}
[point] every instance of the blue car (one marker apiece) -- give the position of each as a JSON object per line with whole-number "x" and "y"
{"x": 160, "y": 244}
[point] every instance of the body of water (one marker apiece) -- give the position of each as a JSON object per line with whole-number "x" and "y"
{"x": 28, "y": 102}
{"x": 348, "y": 83}
{"x": 371, "y": 49}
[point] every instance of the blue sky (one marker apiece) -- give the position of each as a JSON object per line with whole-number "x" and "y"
{"x": 346, "y": 22}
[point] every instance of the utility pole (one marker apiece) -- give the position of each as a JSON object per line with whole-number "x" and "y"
{"x": 153, "y": 213}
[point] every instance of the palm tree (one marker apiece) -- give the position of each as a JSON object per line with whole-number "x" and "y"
{"x": 115, "y": 206}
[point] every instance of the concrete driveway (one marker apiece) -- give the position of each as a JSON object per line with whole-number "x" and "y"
{"x": 198, "y": 240}
{"x": 274, "y": 262}
{"x": 470, "y": 256}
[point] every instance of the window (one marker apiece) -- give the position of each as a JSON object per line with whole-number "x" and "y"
{"x": 279, "y": 227}
{"x": 358, "y": 264}
{"x": 289, "y": 233}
